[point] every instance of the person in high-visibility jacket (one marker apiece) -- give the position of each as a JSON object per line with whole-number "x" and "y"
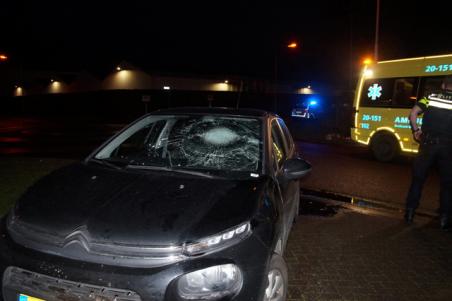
{"x": 435, "y": 139}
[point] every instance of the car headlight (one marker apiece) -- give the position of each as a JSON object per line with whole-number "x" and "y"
{"x": 218, "y": 241}
{"x": 211, "y": 283}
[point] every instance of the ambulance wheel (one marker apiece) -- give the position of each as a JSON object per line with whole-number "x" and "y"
{"x": 384, "y": 147}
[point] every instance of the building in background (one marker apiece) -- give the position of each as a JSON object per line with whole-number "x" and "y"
{"x": 128, "y": 77}
{"x": 127, "y": 92}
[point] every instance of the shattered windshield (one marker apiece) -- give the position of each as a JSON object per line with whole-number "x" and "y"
{"x": 189, "y": 142}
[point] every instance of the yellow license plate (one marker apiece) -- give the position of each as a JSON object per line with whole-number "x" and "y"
{"x": 23, "y": 297}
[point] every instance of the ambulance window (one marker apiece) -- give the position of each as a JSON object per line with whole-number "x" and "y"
{"x": 389, "y": 92}
{"x": 430, "y": 85}
{"x": 405, "y": 90}
{"x": 377, "y": 92}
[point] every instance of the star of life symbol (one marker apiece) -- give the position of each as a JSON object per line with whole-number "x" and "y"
{"x": 374, "y": 91}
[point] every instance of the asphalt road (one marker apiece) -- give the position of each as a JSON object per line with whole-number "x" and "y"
{"x": 349, "y": 169}
{"x": 54, "y": 138}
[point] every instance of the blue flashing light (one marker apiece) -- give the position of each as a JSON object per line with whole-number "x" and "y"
{"x": 313, "y": 101}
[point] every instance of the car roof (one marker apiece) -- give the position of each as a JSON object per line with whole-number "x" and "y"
{"x": 213, "y": 110}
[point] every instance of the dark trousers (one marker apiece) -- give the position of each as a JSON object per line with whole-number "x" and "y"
{"x": 439, "y": 155}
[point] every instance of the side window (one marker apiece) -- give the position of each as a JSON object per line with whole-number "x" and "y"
{"x": 405, "y": 90}
{"x": 377, "y": 92}
{"x": 389, "y": 92}
{"x": 287, "y": 136}
{"x": 278, "y": 147}
{"x": 430, "y": 85}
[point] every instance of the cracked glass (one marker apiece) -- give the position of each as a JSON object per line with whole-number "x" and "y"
{"x": 189, "y": 142}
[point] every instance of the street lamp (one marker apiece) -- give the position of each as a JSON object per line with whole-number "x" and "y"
{"x": 3, "y": 57}
{"x": 292, "y": 46}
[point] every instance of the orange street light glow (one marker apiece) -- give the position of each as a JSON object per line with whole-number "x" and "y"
{"x": 367, "y": 61}
{"x": 3, "y": 57}
{"x": 292, "y": 45}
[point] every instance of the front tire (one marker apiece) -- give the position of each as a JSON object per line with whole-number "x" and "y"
{"x": 277, "y": 280}
{"x": 384, "y": 147}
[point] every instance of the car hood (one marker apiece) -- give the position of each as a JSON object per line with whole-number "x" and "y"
{"x": 135, "y": 207}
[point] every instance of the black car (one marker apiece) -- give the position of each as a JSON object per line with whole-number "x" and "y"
{"x": 183, "y": 204}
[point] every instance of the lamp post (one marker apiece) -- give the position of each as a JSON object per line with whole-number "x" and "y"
{"x": 292, "y": 46}
{"x": 4, "y": 73}
{"x": 377, "y": 30}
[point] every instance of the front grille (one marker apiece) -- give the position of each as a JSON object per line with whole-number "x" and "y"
{"x": 19, "y": 281}
{"x": 79, "y": 245}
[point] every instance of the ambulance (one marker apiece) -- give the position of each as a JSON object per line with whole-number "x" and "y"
{"x": 385, "y": 94}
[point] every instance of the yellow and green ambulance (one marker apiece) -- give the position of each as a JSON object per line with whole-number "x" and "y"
{"x": 386, "y": 92}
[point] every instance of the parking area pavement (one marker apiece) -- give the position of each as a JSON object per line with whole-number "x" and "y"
{"x": 353, "y": 255}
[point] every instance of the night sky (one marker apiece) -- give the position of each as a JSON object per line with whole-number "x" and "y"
{"x": 221, "y": 37}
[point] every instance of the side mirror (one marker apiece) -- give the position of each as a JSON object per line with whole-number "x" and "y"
{"x": 296, "y": 168}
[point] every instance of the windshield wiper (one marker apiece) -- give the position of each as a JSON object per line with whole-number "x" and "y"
{"x": 109, "y": 163}
{"x": 164, "y": 168}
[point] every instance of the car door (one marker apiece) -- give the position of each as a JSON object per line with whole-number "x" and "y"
{"x": 279, "y": 153}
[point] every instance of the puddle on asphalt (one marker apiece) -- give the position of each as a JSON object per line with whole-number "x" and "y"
{"x": 324, "y": 209}
{"x": 317, "y": 207}
{"x": 328, "y": 195}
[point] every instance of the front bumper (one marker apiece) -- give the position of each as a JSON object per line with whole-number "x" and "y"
{"x": 52, "y": 277}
